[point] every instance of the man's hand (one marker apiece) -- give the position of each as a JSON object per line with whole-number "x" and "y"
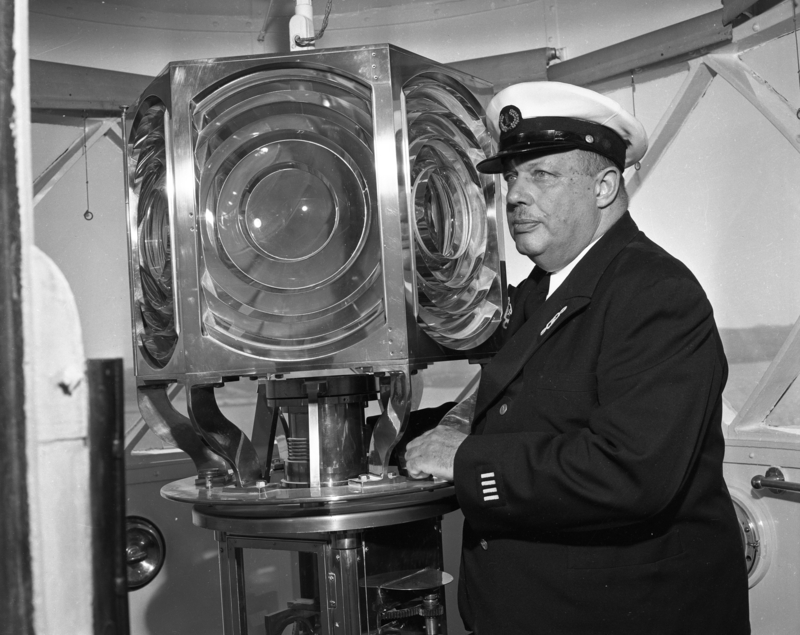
{"x": 434, "y": 453}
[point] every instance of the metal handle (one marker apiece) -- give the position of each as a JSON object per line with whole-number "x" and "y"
{"x": 773, "y": 481}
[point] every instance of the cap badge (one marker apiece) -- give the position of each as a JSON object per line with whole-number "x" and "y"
{"x": 509, "y": 118}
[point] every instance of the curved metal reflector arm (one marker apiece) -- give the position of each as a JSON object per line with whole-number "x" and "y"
{"x": 223, "y": 436}
{"x": 396, "y": 401}
{"x": 174, "y": 428}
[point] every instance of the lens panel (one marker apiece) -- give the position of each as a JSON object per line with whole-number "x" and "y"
{"x": 458, "y": 275}
{"x": 154, "y": 300}
{"x": 286, "y": 187}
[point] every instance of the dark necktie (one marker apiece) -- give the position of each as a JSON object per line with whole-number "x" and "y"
{"x": 538, "y": 295}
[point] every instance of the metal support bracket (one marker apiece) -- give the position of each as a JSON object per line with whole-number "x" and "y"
{"x": 396, "y": 403}
{"x": 223, "y": 436}
{"x": 265, "y": 424}
{"x": 174, "y": 428}
{"x": 314, "y": 388}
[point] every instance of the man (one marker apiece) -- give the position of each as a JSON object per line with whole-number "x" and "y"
{"x": 589, "y": 463}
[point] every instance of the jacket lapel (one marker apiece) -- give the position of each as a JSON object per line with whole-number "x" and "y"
{"x": 570, "y": 298}
{"x": 521, "y": 295}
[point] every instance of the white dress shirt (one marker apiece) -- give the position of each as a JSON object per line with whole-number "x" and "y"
{"x": 557, "y": 277}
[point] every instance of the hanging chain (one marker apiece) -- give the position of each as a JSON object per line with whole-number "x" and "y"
{"x": 633, "y": 104}
{"x": 263, "y": 33}
{"x": 87, "y": 214}
{"x": 309, "y": 41}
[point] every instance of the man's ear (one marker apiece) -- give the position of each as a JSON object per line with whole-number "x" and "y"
{"x": 606, "y": 186}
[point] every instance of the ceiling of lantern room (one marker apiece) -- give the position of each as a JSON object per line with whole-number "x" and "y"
{"x": 141, "y": 36}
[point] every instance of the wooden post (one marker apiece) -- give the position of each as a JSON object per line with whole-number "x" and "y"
{"x": 16, "y": 576}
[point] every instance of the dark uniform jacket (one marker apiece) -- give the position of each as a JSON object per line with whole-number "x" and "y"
{"x": 591, "y": 484}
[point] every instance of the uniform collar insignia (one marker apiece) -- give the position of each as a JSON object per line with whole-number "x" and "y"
{"x": 552, "y": 321}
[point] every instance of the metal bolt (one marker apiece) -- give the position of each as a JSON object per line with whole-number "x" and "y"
{"x": 331, "y": 577}
{"x": 332, "y": 604}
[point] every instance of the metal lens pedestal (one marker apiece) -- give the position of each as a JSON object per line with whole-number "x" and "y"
{"x": 358, "y": 559}
{"x": 367, "y": 550}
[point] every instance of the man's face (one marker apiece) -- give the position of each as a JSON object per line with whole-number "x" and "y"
{"x": 551, "y": 207}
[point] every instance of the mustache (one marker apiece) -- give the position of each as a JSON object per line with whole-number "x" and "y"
{"x": 515, "y": 210}
{"x": 522, "y": 214}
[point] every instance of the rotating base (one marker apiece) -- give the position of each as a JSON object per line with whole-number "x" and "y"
{"x": 186, "y": 491}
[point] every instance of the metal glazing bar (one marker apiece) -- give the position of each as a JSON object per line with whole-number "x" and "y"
{"x": 70, "y": 89}
{"x": 770, "y": 103}
{"x": 684, "y": 39}
{"x": 510, "y": 68}
{"x": 770, "y": 25}
{"x": 115, "y": 135}
{"x": 732, "y": 9}
{"x": 694, "y": 86}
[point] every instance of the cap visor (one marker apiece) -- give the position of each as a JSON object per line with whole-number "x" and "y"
{"x": 494, "y": 164}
